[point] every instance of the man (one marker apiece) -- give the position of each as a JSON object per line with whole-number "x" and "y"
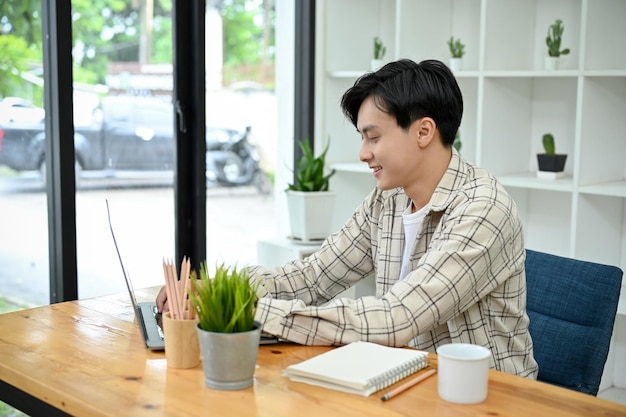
{"x": 441, "y": 235}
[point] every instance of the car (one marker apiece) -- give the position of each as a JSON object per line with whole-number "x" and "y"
{"x": 131, "y": 133}
{"x": 20, "y": 110}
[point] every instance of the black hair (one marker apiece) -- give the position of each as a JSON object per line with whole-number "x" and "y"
{"x": 409, "y": 91}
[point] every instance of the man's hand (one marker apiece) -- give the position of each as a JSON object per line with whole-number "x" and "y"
{"x": 161, "y": 301}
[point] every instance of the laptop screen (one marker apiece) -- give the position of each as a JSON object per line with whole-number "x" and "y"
{"x": 129, "y": 285}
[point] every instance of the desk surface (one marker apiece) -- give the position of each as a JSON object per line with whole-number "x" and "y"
{"x": 87, "y": 358}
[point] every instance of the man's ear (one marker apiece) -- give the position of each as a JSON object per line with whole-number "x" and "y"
{"x": 426, "y": 129}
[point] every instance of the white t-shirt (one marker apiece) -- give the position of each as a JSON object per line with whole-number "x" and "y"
{"x": 412, "y": 224}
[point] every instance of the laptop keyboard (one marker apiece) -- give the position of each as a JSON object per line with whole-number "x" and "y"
{"x": 157, "y": 317}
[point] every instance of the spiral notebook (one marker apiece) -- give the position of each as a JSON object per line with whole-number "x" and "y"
{"x": 359, "y": 367}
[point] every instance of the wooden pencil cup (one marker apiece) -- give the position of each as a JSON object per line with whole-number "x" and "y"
{"x": 182, "y": 349}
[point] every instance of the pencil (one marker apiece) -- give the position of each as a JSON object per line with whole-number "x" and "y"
{"x": 408, "y": 385}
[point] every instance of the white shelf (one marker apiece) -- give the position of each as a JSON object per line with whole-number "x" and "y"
{"x": 347, "y": 74}
{"x": 610, "y": 189}
{"x": 530, "y": 180}
{"x": 356, "y": 167}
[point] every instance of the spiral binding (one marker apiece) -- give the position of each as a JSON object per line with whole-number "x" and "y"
{"x": 394, "y": 375}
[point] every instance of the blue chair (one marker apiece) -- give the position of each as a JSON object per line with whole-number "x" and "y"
{"x": 572, "y": 306}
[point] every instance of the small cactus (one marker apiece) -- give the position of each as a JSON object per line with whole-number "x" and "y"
{"x": 548, "y": 144}
{"x": 457, "y": 48}
{"x": 553, "y": 40}
{"x": 379, "y": 48}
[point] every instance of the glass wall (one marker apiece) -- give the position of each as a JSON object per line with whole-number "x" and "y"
{"x": 23, "y": 205}
{"x": 240, "y": 96}
{"x": 124, "y": 141}
{"x": 123, "y": 119}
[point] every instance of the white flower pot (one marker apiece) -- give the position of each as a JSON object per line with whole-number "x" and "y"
{"x": 376, "y": 64}
{"x": 310, "y": 214}
{"x": 456, "y": 64}
{"x": 552, "y": 63}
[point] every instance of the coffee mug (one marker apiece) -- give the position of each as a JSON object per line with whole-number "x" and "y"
{"x": 463, "y": 372}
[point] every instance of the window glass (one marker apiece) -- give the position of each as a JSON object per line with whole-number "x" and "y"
{"x": 240, "y": 97}
{"x": 24, "y": 273}
{"x": 124, "y": 144}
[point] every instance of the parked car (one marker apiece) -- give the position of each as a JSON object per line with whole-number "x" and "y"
{"x": 19, "y": 110}
{"x": 127, "y": 134}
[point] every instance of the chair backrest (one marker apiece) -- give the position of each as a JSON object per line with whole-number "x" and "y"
{"x": 571, "y": 305}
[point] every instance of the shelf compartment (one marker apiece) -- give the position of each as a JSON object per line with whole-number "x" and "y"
{"x": 425, "y": 27}
{"x": 603, "y": 131}
{"x": 546, "y": 216}
{"x": 517, "y": 112}
{"x": 372, "y": 18}
{"x": 515, "y": 33}
{"x": 600, "y": 230}
{"x": 604, "y": 40}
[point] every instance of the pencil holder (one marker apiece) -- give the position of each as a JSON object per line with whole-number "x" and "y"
{"x": 181, "y": 342}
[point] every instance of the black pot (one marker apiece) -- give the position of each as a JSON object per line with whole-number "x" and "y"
{"x": 551, "y": 163}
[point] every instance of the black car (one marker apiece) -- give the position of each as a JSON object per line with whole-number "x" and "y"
{"x": 126, "y": 133}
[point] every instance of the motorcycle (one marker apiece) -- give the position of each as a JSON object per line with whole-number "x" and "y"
{"x": 233, "y": 160}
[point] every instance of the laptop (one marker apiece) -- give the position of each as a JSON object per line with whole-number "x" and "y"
{"x": 146, "y": 312}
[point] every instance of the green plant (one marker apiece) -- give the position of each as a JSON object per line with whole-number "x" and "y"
{"x": 310, "y": 170}
{"x": 379, "y": 48}
{"x": 548, "y": 144}
{"x": 457, "y": 48}
{"x": 226, "y": 302}
{"x": 553, "y": 40}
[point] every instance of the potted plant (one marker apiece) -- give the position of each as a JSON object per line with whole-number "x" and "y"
{"x": 309, "y": 199}
{"x": 553, "y": 40}
{"x": 457, "y": 50}
{"x": 379, "y": 53}
{"x": 227, "y": 332}
{"x": 551, "y": 165}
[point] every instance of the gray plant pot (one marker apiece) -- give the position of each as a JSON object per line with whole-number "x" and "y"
{"x": 229, "y": 359}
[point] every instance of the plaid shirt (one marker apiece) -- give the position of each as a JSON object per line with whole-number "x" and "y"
{"x": 466, "y": 282}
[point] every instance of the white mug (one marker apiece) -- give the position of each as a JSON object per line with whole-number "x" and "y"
{"x": 463, "y": 373}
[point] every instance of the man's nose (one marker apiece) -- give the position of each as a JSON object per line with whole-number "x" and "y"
{"x": 364, "y": 153}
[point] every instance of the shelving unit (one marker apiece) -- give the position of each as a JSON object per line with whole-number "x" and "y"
{"x": 510, "y": 102}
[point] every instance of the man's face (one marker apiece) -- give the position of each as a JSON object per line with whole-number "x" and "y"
{"x": 391, "y": 152}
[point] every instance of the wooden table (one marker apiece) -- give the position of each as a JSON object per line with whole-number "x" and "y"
{"x": 87, "y": 358}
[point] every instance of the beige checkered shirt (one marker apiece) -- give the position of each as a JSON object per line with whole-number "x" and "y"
{"x": 466, "y": 281}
